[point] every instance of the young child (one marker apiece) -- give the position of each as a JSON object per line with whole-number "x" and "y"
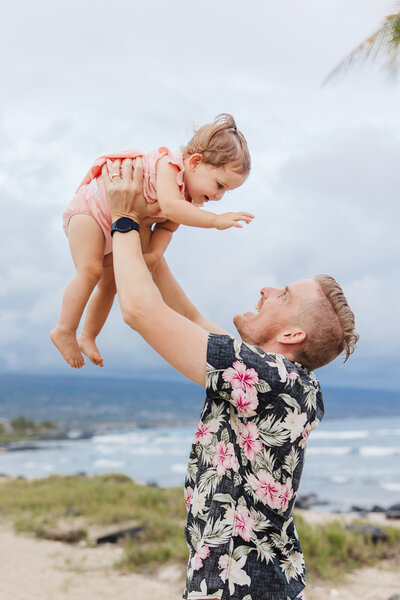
{"x": 215, "y": 160}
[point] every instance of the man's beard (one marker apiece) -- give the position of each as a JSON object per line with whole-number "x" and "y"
{"x": 251, "y": 332}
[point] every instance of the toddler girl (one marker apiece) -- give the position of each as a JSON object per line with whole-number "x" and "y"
{"x": 177, "y": 184}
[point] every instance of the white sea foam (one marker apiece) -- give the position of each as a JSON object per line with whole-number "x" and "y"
{"x": 378, "y": 451}
{"x": 112, "y": 464}
{"x": 390, "y": 487}
{"x": 122, "y": 439}
{"x": 179, "y": 468}
{"x": 339, "y": 479}
{"x": 339, "y": 435}
{"x": 30, "y": 464}
{"x": 333, "y": 450}
{"x": 47, "y": 468}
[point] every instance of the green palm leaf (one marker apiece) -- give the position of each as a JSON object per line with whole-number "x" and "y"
{"x": 382, "y": 44}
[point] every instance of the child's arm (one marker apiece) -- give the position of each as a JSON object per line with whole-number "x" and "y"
{"x": 184, "y": 213}
{"x": 175, "y": 297}
{"x": 159, "y": 241}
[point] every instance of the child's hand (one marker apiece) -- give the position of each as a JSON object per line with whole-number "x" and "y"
{"x": 232, "y": 219}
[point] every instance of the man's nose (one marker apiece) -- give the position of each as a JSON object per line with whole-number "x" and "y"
{"x": 267, "y": 292}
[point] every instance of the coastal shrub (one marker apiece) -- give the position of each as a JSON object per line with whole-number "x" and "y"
{"x": 330, "y": 550}
{"x": 56, "y": 504}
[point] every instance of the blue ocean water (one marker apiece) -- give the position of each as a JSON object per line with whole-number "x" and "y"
{"x": 349, "y": 461}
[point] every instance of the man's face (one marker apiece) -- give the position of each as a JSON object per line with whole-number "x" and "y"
{"x": 277, "y": 312}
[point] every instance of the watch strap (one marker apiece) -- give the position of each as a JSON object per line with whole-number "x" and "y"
{"x": 123, "y": 225}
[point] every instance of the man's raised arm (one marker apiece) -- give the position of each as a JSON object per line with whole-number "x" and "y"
{"x": 179, "y": 341}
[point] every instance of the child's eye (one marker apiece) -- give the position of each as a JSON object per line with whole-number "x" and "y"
{"x": 220, "y": 186}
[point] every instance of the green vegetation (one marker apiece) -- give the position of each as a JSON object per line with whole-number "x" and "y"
{"x": 331, "y": 550}
{"x": 76, "y": 504}
{"x": 23, "y": 429}
{"x": 47, "y": 506}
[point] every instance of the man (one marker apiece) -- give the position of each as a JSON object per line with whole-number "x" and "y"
{"x": 262, "y": 403}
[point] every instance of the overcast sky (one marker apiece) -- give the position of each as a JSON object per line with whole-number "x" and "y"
{"x": 82, "y": 78}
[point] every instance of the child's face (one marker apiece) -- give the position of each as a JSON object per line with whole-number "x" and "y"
{"x": 204, "y": 182}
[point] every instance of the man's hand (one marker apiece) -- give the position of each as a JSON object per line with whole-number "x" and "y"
{"x": 124, "y": 189}
{"x": 232, "y": 219}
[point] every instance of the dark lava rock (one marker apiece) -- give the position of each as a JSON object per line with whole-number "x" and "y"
{"x": 356, "y": 508}
{"x": 113, "y": 538}
{"x": 378, "y": 509}
{"x": 376, "y": 534}
{"x": 307, "y": 501}
{"x": 73, "y": 536}
{"x": 393, "y": 514}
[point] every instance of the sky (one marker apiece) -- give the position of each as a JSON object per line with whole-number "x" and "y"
{"x": 83, "y": 78}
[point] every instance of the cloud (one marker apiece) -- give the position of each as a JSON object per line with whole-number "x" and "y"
{"x": 323, "y": 185}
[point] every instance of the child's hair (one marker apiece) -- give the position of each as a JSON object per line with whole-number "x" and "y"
{"x": 221, "y": 143}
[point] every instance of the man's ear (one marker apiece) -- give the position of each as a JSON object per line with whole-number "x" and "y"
{"x": 292, "y": 336}
{"x": 195, "y": 160}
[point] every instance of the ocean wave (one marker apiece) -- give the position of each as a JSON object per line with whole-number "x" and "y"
{"x": 390, "y": 487}
{"x": 378, "y": 451}
{"x": 339, "y": 479}
{"x": 339, "y": 435}
{"x": 179, "y": 468}
{"x": 112, "y": 464}
{"x": 333, "y": 450}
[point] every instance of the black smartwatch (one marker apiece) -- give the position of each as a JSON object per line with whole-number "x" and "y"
{"x": 123, "y": 225}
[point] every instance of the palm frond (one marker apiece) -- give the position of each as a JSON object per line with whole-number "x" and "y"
{"x": 383, "y": 44}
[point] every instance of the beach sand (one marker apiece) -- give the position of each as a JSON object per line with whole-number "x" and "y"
{"x": 32, "y": 569}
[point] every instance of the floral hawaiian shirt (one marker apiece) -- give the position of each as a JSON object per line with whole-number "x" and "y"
{"x": 243, "y": 474}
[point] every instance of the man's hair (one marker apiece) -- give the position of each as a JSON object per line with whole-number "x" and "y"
{"x": 221, "y": 144}
{"x": 329, "y": 324}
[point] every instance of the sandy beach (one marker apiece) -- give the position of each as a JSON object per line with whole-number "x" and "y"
{"x": 32, "y": 569}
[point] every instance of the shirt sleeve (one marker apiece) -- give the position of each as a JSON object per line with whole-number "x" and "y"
{"x": 254, "y": 381}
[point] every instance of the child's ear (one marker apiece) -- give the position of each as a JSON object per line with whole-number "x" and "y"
{"x": 195, "y": 160}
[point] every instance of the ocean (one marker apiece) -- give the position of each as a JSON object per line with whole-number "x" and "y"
{"x": 353, "y": 461}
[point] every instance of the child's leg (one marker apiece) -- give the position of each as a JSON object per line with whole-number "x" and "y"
{"x": 97, "y": 311}
{"x": 86, "y": 241}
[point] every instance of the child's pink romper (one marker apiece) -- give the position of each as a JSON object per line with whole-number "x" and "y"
{"x": 91, "y": 199}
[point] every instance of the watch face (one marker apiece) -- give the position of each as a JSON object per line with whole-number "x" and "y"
{"x": 124, "y": 224}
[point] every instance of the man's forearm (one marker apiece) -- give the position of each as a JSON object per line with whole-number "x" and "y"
{"x": 137, "y": 292}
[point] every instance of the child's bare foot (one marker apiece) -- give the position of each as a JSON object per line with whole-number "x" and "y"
{"x": 88, "y": 346}
{"x": 65, "y": 341}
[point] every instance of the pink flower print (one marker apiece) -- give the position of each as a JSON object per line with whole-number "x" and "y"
{"x": 202, "y": 553}
{"x": 239, "y": 377}
{"x": 293, "y": 375}
{"x": 306, "y": 432}
{"x": 224, "y": 458}
{"x": 248, "y": 440}
{"x": 243, "y": 524}
{"x": 245, "y": 402}
{"x": 266, "y": 488}
{"x": 188, "y": 497}
{"x": 286, "y": 494}
{"x": 204, "y": 432}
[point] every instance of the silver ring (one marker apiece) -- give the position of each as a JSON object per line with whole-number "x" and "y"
{"x": 115, "y": 175}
